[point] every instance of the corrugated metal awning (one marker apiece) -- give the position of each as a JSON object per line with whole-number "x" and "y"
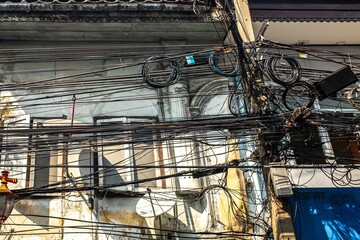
{"x": 305, "y": 11}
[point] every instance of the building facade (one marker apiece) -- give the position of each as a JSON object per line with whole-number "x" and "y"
{"x": 107, "y": 108}
{"x": 312, "y": 179}
{"x": 173, "y": 120}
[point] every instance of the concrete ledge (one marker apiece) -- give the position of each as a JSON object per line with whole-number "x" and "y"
{"x": 42, "y": 7}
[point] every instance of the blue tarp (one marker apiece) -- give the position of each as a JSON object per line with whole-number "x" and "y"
{"x": 326, "y": 213}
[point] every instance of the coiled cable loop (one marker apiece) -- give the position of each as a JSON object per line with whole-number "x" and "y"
{"x": 283, "y": 70}
{"x": 299, "y": 94}
{"x": 160, "y": 71}
{"x": 224, "y": 62}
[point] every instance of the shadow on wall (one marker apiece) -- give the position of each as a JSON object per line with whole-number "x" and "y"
{"x": 199, "y": 205}
{"x": 37, "y": 211}
{"x": 172, "y": 228}
{"x": 114, "y": 207}
{"x": 109, "y": 173}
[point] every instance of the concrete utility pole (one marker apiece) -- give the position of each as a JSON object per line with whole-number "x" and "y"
{"x": 281, "y": 221}
{"x": 243, "y": 22}
{"x": 256, "y": 189}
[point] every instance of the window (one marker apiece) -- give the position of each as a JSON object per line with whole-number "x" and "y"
{"x": 346, "y": 149}
{"x": 31, "y": 155}
{"x": 45, "y": 151}
{"x": 126, "y": 155}
{"x": 49, "y": 150}
{"x": 110, "y": 157}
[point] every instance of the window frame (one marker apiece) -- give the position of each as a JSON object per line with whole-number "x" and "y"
{"x": 158, "y": 153}
{"x": 58, "y": 159}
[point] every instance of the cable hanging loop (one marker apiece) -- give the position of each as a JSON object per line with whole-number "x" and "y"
{"x": 160, "y": 71}
{"x": 224, "y": 62}
{"x": 282, "y": 70}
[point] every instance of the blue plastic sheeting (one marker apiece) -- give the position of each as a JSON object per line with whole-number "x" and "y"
{"x": 326, "y": 213}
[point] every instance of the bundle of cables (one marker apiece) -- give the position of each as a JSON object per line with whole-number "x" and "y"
{"x": 160, "y": 71}
{"x": 282, "y": 70}
{"x": 299, "y": 94}
{"x": 224, "y": 62}
{"x": 236, "y": 104}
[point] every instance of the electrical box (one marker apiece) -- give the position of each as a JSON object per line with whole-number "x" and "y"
{"x": 335, "y": 82}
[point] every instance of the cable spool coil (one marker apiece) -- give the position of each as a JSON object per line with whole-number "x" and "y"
{"x": 299, "y": 94}
{"x": 229, "y": 66}
{"x": 167, "y": 71}
{"x": 283, "y": 70}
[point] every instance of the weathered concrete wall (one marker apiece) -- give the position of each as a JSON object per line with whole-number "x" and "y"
{"x": 67, "y": 216}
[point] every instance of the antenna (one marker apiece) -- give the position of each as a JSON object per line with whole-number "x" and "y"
{"x": 262, "y": 30}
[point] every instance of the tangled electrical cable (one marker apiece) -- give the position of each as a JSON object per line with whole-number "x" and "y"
{"x": 162, "y": 64}
{"x": 299, "y": 95}
{"x": 224, "y": 62}
{"x": 282, "y": 70}
{"x": 236, "y": 103}
{"x": 161, "y": 71}
{"x": 240, "y": 213}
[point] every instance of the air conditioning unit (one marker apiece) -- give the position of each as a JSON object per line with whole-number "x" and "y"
{"x": 280, "y": 181}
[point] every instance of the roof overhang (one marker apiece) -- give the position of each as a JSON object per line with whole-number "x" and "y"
{"x": 305, "y": 10}
{"x": 308, "y": 22}
{"x": 120, "y": 22}
{"x": 312, "y": 33}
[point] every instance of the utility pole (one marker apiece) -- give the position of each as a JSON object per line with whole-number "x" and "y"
{"x": 243, "y": 20}
{"x": 243, "y": 33}
{"x": 281, "y": 223}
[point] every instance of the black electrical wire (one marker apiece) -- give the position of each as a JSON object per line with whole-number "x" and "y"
{"x": 277, "y": 69}
{"x": 245, "y": 127}
{"x": 299, "y": 95}
{"x": 223, "y": 64}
